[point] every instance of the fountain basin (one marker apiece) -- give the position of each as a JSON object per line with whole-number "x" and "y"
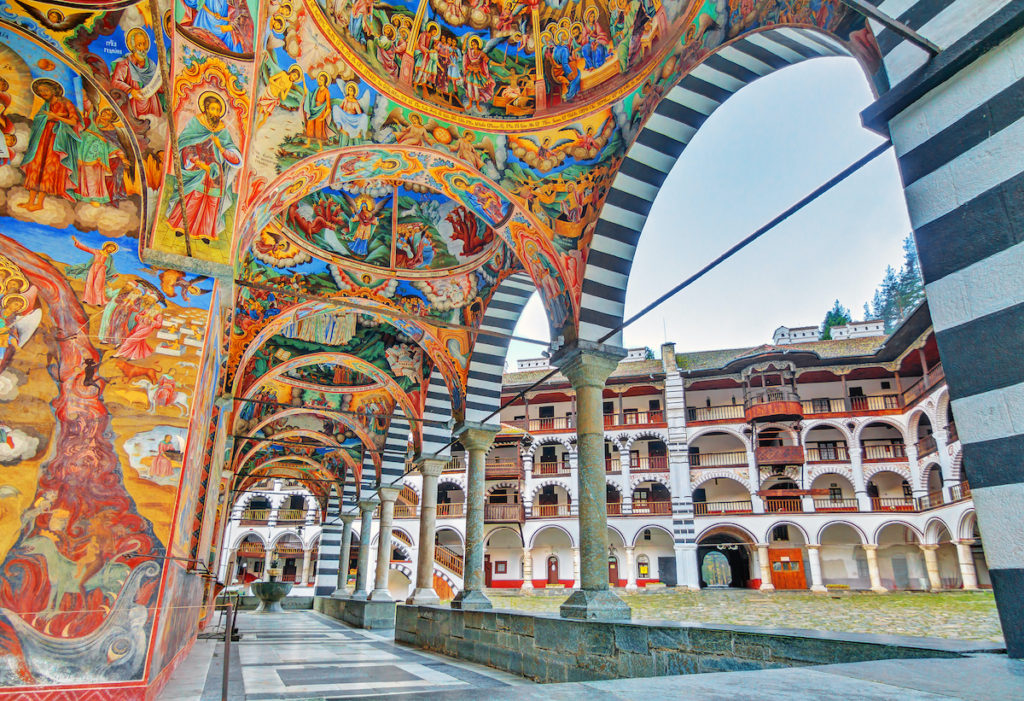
{"x": 270, "y": 595}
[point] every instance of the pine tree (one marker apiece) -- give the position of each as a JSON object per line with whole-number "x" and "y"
{"x": 900, "y": 292}
{"x": 836, "y": 316}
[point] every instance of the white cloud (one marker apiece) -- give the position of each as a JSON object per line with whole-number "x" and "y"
{"x": 25, "y": 447}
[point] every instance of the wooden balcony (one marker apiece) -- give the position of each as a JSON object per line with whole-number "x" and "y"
{"x": 456, "y": 510}
{"x": 827, "y": 453}
{"x": 552, "y": 511}
{"x": 918, "y": 389}
{"x": 552, "y": 424}
{"x": 959, "y": 492}
{"x": 288, "y": 551}
{"x": 654, "y": 417}
{"x": 726, "y": 413}
{"x": 729, "y": 458}
{"x": 926, "y": 446}
{"x": 885, "y": 453}
{"x": 779, "y": 455}
{"x": 893, "y": 504}
{"x": 930, "y": 500}
{"x": 503, "y": 468}
{"x": 547, "y": 468}
{"x": 449, "y": 559}
{"x": 840, "y": 504}
{"x": 651, "y": 508}
{"x": 253, "y": 517}
{"x": 612, "y": 465}
{"x": 775, "y": 404}
{"x": 503, "y": 513}
{"x": 614, "y": 508}
{"x": 714, "y": 508}
{"x": 783, "y": 505}
{"x": 454, "y": 465}
{"x": 650, "y": 463}
{"x": 291, "y": 516}
{"x": 405, "y": 510}
{"x": 251, "y": 550}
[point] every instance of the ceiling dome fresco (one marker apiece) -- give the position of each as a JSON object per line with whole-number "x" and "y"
{"x": 474, "y": 61}
{"x": 384, "y": 227}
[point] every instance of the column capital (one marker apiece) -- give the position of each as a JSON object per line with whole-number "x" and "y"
{"x": 813, "y": 546}
{"x": 348, "y": 518}
{"x": 474, "y": 435}
{"x": 430, "y": 467}
{"x": 869, "y": 546}
{"x": 367, "y": 505}
{"x": 586, "y": 363}
{"x": 388, "y": 493}
{"x": 928, "y": 546}
{"x": 762, "y": 545}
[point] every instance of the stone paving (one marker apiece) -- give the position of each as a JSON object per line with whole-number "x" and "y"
{"x": 961, "y": 615}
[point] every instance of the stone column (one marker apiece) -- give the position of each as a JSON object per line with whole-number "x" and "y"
{"x": 687, "y": 571}
{"x": 859, "y": 484}
{"x": 754, "y": 477}
{"x": 587, "y": 366}
{"x": 576, "y": 568}
{"x": 477, "y": 440}
{"x": 305, "y": 567}
{"x": 630, "y": 568}
{"x": 268, "y": 558}
{"x": 387, "y": 516}
{"x": 527, "y": 569}
{"x": 931, "y": 566}
{"x": 966, "y": 559}
{"x": 424, "y": 593}
{"x": 871, "y": 552}
{"x": 366, "y": 508}
{"x": 814, "y": 559}
{"x": 766, "y": 568}
{"x": 346, "y": 553}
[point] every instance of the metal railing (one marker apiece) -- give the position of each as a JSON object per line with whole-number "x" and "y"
{"x": 725, "y": 412}
{"x": 893, "y": 451}
{"x": 726, "y": 458}
{"x": 839, "y": 504}
{"x": 551, "y": 510}
{"x": 827, "y": 453}
{"x": 705, "y": 508}
{"x": 451, "y": 510}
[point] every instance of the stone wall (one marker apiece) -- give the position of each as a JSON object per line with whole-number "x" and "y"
{"x": 357, "y": 612}
{"x": 552, "y": 649}
{"x": 249, "y": 603}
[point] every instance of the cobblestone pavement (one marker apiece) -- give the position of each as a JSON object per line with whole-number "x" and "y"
{"x": 962, "y": 615}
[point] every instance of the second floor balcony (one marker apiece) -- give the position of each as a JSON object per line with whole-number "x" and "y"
{"x": 503, "y": 468}
{"x": 504, "y": 513}
{"x": 773, "y": 404}
{"x": 779, "y": 455}
{"x": 543, "y": 467}
{"x": 722, "y": 458}
{"x": 635, "y": 417}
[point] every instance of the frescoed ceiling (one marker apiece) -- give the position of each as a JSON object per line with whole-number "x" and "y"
{"x": 361, "y": 175}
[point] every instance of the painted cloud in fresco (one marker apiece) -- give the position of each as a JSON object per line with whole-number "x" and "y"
{"x": 16, "y": 445}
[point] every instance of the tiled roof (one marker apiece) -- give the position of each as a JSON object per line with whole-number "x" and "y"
{"x": 625, "y": 369}
{"x": 845, "y": 348}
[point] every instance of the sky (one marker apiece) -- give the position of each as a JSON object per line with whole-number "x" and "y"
{"x": 765, "y": 148}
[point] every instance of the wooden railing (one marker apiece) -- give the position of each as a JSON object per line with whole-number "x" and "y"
{"x": 959, "y": 492}
{"x": 252, "y": 549}
{"x": 502, "y": 468}
{"x": 635, "y": 418}
{"x": 551, "y": 510}
{"x": 727, "y": 458}
{"x": 706, "y": 508}
{"x": 926, "y": 446}
{"x": 503, "y": 512}
{"x": 255, "y": 515}
{"x": 827, "y": 453}
{"x": 405, "y": 510}
{"x": 552, "y": 423}
{"x": 291, "y": 515}
{"x": 614, "y": 508}
{"x": 558, "y": 467}
{"x": 449, "y": 559}
{"x": 783, "y": 505}
{"x": 612, "y": 465}
{"x": 725, "y": 412}
{"x": 651, "y": 507}
{"x": 770, "y": 396}
{"x": 878, "y": 402}
{"x": 825, "y": 405}
{"x": 892, "y": 504}
{"x": 894, "y": 451}
{"x": 913, "y": 392}
{"x": 450, "y": 510}
{"x": 454, "y": 465}
{"x": 649, "y": 463}
{"x": 840, "y": 504}
{"x": 930, "y": 500}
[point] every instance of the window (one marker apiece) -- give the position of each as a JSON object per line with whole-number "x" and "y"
{"x": 501, "y": 567}
{"x": 886, "y": 384}
{"x": 546, "y": 412}
{"x": 654, "y": 405}
{"x": 780, "y": 533}
{"x": 907, "y": 491}
{"x": 643, "y": 566}
{"x": 834, "y": 492}
{"x": 647, "y": 533}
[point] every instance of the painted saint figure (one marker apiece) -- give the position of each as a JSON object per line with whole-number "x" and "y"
{"x": 50, "y": 162}
{"x": 317, "y": 109}
{"x": 138, "y": 76}
{"x": 226, "y": 22}
{"x": 96, "y": 272}
{"x": 209, "y": 159}
{"x": 99, "y": 161}
{"x": 162, "y": 465}
{"x": 477, "y": 72}
{"x": 6, "y": 125}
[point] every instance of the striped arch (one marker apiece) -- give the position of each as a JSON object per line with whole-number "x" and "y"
{"x": 705, "y": 430}
{"x": 956, "y": 467}
{"x": 487, "y": 363}
{"x": 657, "y": 147}
{"x": 830, "y": 469}
{"x": 345, "y": 420}
{"x": 825, "y": 423}
{"x": 503, "y": 485}
{"x": 454, "y": 480}
{"x": 704, "y": 476}
{"x": 437, "y": 415}
{"x": 550, "y": 440}
{"x": 658, "y": 477}
{"x": 873, "y": 469}
{"x": 647, "y": 433}
{"x": 241, "y": 537}
{"x": 563, "y": 483}
{"x": 790, "y": 472}
{"x": 926, "y": 471}
{"x": 858, "y": 432}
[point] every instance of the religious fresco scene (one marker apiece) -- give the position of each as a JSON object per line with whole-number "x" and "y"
{"x": 254, "y": 240}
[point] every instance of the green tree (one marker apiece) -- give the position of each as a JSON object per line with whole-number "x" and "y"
{"x": 900, "y": 292}
{"x": 836, "y": 316}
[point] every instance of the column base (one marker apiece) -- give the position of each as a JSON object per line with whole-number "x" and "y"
{"x": 767, "y": 586}
{"x": 359, "y": 595}
{"x": 340, "y": 594}
{"x": 591, "y": 605}
{"x": 819, "y": 589}
{"x": 880, "y": 590}
{"x": 423, "y": 597}
{"x": 471, "y": 601}
{"x": 527, "y": 585}
{"x": 379, "y": 595}
{"x": 632, "y": 588}
{"x": 971, "y": 588}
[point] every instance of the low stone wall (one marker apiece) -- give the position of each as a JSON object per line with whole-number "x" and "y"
{"x": 550, "y": 649}
{"x": 357, "y": 612}
{"x": 249, "y": 603}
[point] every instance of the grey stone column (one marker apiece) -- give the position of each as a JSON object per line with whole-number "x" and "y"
{"x": 477, "y": 440}
{"x": 346, "y": 553}
{"x": 424, "y": 593}
{"x": 387, "y": 517}
{"x": 365, "y": 526}
{"x": 587, "y": 365}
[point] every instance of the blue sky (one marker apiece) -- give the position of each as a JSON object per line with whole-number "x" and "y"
{"x": 764, "y": 149}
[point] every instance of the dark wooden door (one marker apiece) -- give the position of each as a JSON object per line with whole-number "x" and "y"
{"x": 552, "y": 570}
{"x": 787, "y": 566}
{"x": 613, "y": 571}
{"x": 488, "y": 570}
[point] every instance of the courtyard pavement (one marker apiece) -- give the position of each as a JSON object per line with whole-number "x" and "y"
{"x": 955, "y": 614}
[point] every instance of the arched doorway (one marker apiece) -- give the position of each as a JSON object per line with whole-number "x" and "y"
{"x": 552, "y": 570}
{"x": 735, "y": 547}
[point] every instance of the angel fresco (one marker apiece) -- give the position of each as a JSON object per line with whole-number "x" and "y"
{"x": 477, "y": 74}
{"x": 365, "y": 214}
{"x": 350, "y": 115}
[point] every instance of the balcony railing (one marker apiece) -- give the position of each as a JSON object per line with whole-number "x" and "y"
{"x": 914, "y": 392}
{"x": 450, "y": 510}
{"x": 612, "y": 465}
{"x": 454, "y": 465}
{"x": 878, "y": 402}
{"x": 255, "y": 516}
{"x": 891, "y": 451}
{"x": 959, "y": 492}
{"x": 448, "y": 559}
{"x": 643, "y": 508}
{"x": 779, "y": 455}
{"x": 553, "y": 423}
{"x": 708, "y": 508}
{"x": 548, "y": 467}
{"x": 783, "y": 505}
{"x": 827, "y": 453}
{"x": 650, "y": 463}
{"x": 930, "y": 501}
{"x": 926, "y": 446}
{"x": 503, "y": 468}
{"x": 551, "y": 511}
{"x": 830, "y": 405}
{"x": 839, "y": 504}
{"x": 503, "y": 513}
{"x": 405, "y": 511}
{"x": 291, "y": 515}
{"x": 772, "y": 403}
{"x": 285, "y": 551}
{"x": 728, "y": 458}
{"x": 614, "y": 508}
{"x": 725, "y": 412}
{"x": 892, "y": 504}
{"x": 252, "y": 550}
{"x": 635, "y": 418}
